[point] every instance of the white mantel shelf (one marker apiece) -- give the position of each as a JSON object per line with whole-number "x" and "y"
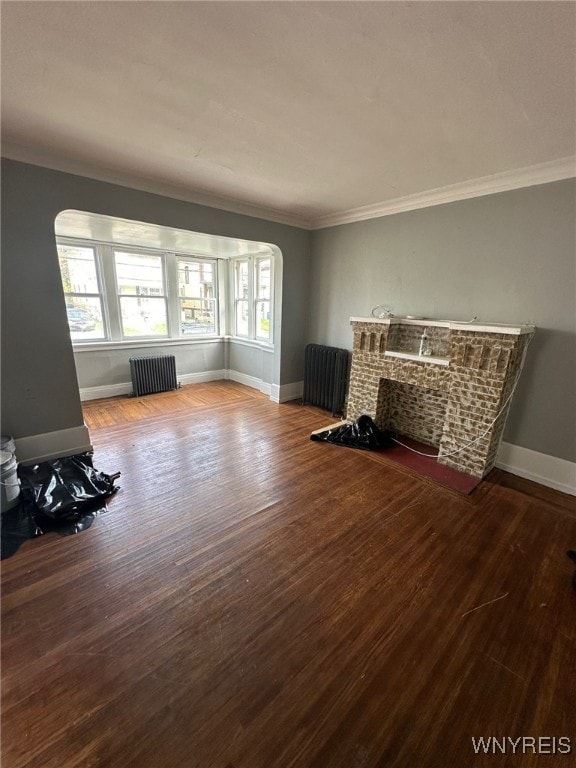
{"x": 418, "y": 358}
{"x": 455, "y": 325}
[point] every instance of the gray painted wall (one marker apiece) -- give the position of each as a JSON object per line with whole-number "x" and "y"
{"x": 97, "y": 368}
{"x": 39, "y": 383}
{"x": 509, "y": 257}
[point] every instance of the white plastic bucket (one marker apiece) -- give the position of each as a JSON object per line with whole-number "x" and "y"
{"x": 9, "y": 483}
{"x": 7, "y": 444}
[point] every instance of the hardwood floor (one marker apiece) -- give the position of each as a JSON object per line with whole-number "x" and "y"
{"x": 253, "y": 599}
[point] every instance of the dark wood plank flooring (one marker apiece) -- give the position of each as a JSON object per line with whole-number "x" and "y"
{"x": 253, "y": 599}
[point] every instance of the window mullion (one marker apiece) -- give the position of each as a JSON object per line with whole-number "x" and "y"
{"x": 224, "y": 295}
{"x": 251, "y": 299}
{"x": 110, "y": 293}
{"x": 172, "y": 296}
{"x": 271, "y": 304}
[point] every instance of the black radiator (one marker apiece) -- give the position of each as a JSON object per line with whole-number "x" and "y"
{"x": 153, "y": 374}
{"x": 325, "y": 376}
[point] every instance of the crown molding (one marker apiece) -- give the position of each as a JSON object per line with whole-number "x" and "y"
{"x": 57, "y": 162}
{"x": 543, "y": 173}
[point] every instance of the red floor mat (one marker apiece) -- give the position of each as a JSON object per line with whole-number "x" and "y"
{"x": 422, "y": 465}
{"x": 442, "y": 474}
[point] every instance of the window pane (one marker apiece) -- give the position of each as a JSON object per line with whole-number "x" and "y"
{"x": 242, "y": 318}
{"x": 197, "y": 302}
{"x": 139, "y": 274}
{"x": 241, "y": 282}
{"x": 263, "y": 279}
{"x": 241, "y": 293}
{"x": 78, "y": 269}
{"x": 197, "y": 319}
{"x": 143, "y": 316}
{"x": 85, "y": 318}
{"x": 263, "y": 319}
{"x": 196, "y": 279}
{"x": 83, "y": 302}
{"x": 140, "y": 281}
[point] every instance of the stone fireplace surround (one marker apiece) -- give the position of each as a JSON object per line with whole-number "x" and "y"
{"x": 446, "y": 399}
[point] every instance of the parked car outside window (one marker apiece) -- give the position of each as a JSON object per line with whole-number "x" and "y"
{"x": 80, "y": 319}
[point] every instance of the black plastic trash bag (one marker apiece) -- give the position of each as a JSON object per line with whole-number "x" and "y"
{"x": 62, "y": 495}
{"x": 18, "y": 525}
{"x": 61, "y": 488}
{"x": 362, "y": 433}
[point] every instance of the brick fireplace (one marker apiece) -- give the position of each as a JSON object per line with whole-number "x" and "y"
{"x": 445, "y": 390}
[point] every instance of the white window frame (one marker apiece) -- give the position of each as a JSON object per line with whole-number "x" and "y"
{"x": 179, "y": 257}
{"x": 110, "y": 295}
{"x": 119, "y": 296}
{"x": 101, "y": 295}
{"x": 253, "y": 299}
{"x": 258, "y": 299}
{"x": 236, "y": 299}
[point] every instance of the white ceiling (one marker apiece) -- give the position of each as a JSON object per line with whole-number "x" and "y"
{"x": 305, "y": 112}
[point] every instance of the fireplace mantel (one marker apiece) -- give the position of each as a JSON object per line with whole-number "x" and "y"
{"x": 458, "y": 325}
{"x": 446, "y": 383}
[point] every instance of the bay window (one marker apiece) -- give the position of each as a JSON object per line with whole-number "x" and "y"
{"x": 124, "y": 294}
{"x": 116, "y": 293}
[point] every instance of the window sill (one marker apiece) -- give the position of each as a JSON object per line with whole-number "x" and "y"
{"x": 101, "y": 346}
{"x": 266, "y": 346}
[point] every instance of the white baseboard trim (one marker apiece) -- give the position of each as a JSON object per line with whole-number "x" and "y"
{"x": 200, "y": 378}
{"x": 286, "y": 392}
{"x": 107, "y": 390}
{"x": 250, "y": 381}
{"x": 52, "y": 445}
{"x": 272, "y": 390}
{"x": 125, "y": 387}
{"x": 539, "y": 467}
